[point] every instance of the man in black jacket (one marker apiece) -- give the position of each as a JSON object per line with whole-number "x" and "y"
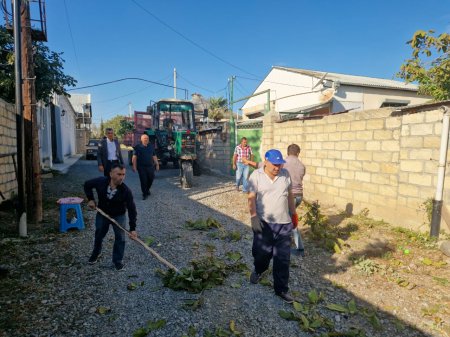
{"x": 144, "y": 162}
{"x": 115, "y": 199}
{"x": 108, "y": 153}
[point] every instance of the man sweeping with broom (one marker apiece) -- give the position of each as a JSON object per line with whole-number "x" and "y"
{"x": 114, "y": 199}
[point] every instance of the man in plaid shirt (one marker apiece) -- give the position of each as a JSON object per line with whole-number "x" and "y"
{"x": 242, "y": 170}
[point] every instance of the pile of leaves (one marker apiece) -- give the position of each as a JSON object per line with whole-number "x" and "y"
{"x": 204, "y": 274}
{"x": 202, "y": 225}
{"x": 311, "y": 319}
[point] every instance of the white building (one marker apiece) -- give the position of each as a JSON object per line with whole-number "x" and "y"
{"x": 296, "y": 92}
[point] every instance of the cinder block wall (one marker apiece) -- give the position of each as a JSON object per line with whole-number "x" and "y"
{"x": 368, "y": 159}
{"x": 214, "y": 150}
{"x": 8, "y": 144}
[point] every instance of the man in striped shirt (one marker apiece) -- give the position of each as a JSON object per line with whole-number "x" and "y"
{"x": 242, "y": 151}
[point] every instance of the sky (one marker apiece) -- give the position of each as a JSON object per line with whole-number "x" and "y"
{"x": 208, "y": 42}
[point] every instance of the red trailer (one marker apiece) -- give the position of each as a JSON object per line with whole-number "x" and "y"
{"x": 142, "y": 122}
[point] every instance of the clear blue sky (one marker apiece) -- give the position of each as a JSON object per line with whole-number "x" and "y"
{"x": 210, "y": 41}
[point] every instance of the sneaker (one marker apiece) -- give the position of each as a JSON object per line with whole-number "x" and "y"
{"x": 237, "y": 188}
{"x": 119, "y": 266}
{"x": 144, "y": 196}
{"x": 255, "y": 277}
{"x": 286, "y": 297}
{"x": 301, "y": 252}
{"x": 94, "y": 259}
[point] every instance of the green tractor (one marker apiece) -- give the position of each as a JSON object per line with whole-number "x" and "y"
{"x": 173, "y": 134}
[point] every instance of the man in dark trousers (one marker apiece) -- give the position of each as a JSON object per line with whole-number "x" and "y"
{"x": 115, "y": 199}
{"x": 271, "y": 204}
{"x": 144, "y": 161}
{"x": 108, "y": 153}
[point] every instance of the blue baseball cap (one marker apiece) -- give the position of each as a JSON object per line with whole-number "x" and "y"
{"x": 275, "y": 157}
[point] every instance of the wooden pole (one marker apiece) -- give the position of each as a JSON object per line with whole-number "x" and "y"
{"x": 32, "y": 160}
{"x": 155, "y": 254}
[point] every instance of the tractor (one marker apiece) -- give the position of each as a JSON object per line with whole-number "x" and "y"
{"x": 174, "y": 134}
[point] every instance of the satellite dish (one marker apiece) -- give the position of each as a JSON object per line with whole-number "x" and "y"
{"x": 326, "y": 95}
{"x": 320, "y": 81}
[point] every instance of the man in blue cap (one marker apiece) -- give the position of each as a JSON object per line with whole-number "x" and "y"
{"x": 271, "y": 202}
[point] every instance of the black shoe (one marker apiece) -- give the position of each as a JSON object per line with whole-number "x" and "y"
{"x": 148, "y": 193}
{"x": 144, "y": 196}
{"x": 119, "y": 266}
{"x": 94, "y": 259}
{"x": 255, "y": 278}
{"x": 301, "y": 252}
{"x": 286, "y": 297}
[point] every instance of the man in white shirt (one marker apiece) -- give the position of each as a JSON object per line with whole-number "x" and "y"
{"x": 108, "y": 152}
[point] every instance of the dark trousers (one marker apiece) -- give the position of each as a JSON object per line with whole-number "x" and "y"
{"x": 101, "y": 229}
{"x": 107, "y": 167}
{"x": 146, "y": 176}
{"x": 274, "y": 241}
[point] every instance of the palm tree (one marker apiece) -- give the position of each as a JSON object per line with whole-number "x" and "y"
{"x": 217, "y": 108}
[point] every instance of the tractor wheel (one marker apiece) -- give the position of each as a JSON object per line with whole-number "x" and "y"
{"x": 187, "y": 174}
{"x": 164, "y": 164}
{"x": 197, "y": 169}
{"x": 175, "y": 163}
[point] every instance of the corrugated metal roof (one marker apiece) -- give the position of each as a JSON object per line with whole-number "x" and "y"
{"x": 353, "y": 79}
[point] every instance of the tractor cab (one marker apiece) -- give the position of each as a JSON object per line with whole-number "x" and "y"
{"x": 174, "y": 135}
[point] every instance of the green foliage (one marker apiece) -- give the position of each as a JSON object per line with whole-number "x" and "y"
{"x": 429, "y": 64}
{"x": 48, "y": 69}
{"x": 217, "y": 108}
{"x": 205, "y": 273}
{"x": 202, "y": 225}
{"x": 321, "y": 231}
{"x": 366, "y": 266}
{"x": 421, "y": 239}
{"x": 223, "y": 332}
{"x": 125, "y": 126}
{"x": 117, "y": 124}
{"x": 427, "y": 207}
{"x": 151, "y": 326}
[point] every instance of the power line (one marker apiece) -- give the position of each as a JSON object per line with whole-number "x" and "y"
{"x": 128, "y": 78}
{"x": 71, "y": 37}
{"x": 190, "y": 40}
{"x": 286, "y": 84}
{"x": 194, "y": 85}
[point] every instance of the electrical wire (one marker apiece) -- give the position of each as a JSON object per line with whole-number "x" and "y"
{"x": 194, "y": 85}
{"x": 71, "y": 37}
{"x": 190, "y": 40}
{"x": 286, "y": 84}
{"x": 124, "y": 79}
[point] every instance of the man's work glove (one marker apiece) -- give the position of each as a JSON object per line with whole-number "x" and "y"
{"x": 294, "y": 219}
{"x": 256, "y": 224}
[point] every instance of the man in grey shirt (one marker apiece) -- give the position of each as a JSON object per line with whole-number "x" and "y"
{"x": 297, "y": 171}
{"x": 271, "y": 204}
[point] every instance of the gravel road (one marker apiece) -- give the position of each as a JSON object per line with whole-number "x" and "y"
{"x": 65, "y": 296}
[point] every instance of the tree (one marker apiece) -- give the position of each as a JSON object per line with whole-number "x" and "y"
{"x": 217, "y": 108}
{"x": 48, "y": 69}
{"x": 119, "y": 124}
{"x": 429, "y": 64}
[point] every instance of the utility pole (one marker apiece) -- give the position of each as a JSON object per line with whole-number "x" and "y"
{"x": 233, "y": 131}
{"x": 129, "y": 109}
{"x": 22, "y": 209}
{"x": 33, "y": 172}
{"x": 175, "y": 83}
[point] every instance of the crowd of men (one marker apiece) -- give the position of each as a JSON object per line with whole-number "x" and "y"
{"x": 274, "y": 191}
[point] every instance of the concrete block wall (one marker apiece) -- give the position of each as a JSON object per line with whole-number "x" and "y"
{"x": 368, "y": 159}
{"x": 8, "y": 144}
{"x": 214, "y": 150}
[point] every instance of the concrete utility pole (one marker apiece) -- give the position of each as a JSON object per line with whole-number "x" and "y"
{"x": 33, "y": 172}
{"x": 20, "y": 127}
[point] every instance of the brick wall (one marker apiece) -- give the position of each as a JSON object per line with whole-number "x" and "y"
{"x": 214, "y": 150}
{"x": 368, "y": 159}
{"x": 8, "y": 144}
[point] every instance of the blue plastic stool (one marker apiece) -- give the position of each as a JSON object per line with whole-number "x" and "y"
{"x": 63, "y": 224}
